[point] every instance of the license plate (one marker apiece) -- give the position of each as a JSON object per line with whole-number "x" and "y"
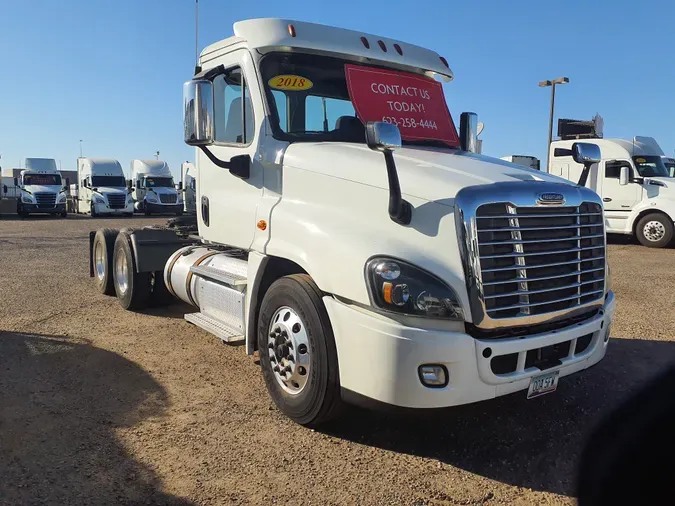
{"x": 543, "y": 384}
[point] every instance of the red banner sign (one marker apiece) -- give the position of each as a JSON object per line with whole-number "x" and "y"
{"x": 415, "y": 104}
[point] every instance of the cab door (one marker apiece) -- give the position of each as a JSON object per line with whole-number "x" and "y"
{"x": 614, "y": 196}
{"x": 226, "y": 203}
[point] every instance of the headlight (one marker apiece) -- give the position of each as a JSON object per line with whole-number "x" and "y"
{"x": 403, "y": 288}
{"x": 99, "y": 200}
{"x": 608, "y": 276}
{"x": 179, "y": 199}
{"x": 26, "y": 199}
{"x": 151, "y": 199}
{"x": 130, "y": 199}
{"x": 61, "y": 198}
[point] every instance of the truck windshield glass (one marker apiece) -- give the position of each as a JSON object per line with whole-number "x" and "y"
{"x": 159, "y": 182}
{"x": 650, "y": 166}
{"x": 310, "y": 100}
{"x": 108, "y": 181}
{"x": 42, "y": 179}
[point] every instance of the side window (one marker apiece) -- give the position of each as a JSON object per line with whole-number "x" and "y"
{"x": 322, "y": 114}
{"x": 613, "y": 169}
{"x": 233, "y": 108}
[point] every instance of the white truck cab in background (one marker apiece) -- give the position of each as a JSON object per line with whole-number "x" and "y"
{"x": 634, "y": 183}
{"x": 531, "y": 162}
{"x": 670, "y": 165}
{"x": 346, "y": 232}
{"x": 153, "y": 189}
{"x": 188, "y": 180}
{"x": 40, "y": 189}
{"x": 102, "y": 188}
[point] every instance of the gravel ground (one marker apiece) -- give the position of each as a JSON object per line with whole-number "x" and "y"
{"x": 102, "y": 406}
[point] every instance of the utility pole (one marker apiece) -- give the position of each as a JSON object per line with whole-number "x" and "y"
{"x": 552, "y": 83}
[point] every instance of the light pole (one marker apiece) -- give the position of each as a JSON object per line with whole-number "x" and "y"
{"x": 80, "y": 148}
{"x": 157, "y": 155}
{"x": 543, "y": 84}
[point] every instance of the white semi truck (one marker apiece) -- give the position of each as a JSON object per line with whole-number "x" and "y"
{"x": 346, "y": 233}
{"x": 531, "y": 162}
{"x": 188, "y": 183}
{"x": 634, "y": 183}
{"x": 102, "y": 188}
{"x": 40, "y": 189}
{"x": 153, "y": 189}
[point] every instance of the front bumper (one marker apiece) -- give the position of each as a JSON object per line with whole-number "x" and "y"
{"x": 104, "y": 209}
{"x": 379, "y": 357}
{"x": 164, "y": 208}
{"x": 34, "y": 208}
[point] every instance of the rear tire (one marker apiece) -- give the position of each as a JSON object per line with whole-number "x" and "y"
{"x": 292, "y": 310}
{"x": 655, "y": 230}
{"x": 102, "y": 255}
{"x": 132, "y": 288}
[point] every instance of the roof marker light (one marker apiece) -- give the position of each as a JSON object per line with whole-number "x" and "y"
{"x": 398, "y": 49}
{"x": 365, "y": 42}
{"x": 291, "y": 30}
{"x": 444, "y": 61}
{"x": 382, "y": 46}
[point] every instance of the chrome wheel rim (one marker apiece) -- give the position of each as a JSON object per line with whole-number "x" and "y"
{"x": 654, "y": 231}
{"x": 288, "y": 350}
{"x": 99, "y": 259}
{"x": 121, "y": 272}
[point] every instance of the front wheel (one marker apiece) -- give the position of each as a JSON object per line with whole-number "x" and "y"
{"x": 655, "y": 230}
{"x": 297, "y": 351}
{"x": 132, "y": 288}
{"x": 92, "y": 209}
{"x": 64, "y": 214}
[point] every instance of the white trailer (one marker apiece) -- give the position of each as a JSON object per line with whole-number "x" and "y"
{"x": 188, "y": 185}
{"x": 40, "y": 189}
{"x": 531, "y": 162}
{"x": 637, "y": 191}
{"x": 351, "y": 237}
{"x": 153, "y": 189}
{"x": 102, "y": 189}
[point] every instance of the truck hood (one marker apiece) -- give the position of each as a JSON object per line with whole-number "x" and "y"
{"x": 39, "y": 188}
{"x": 427, "y": 173}
{"x": 664, "y": 192}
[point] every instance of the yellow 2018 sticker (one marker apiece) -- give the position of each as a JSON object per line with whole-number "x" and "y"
{"x": 290, "y": 83}
{"x": 641, "y": 160}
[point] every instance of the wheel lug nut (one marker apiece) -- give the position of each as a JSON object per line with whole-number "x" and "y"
{"x": 289, "y": 344}
{"x": 288, "y": 368}
{"x": 272, "y": 334}
{"x": 284, "y": 333}
{"x": 271, "y": 346}
{"x": 276, "y": 368}
{"x": 290, "y": 358}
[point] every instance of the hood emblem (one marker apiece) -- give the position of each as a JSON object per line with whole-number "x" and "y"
{"x": 550, "y": 199}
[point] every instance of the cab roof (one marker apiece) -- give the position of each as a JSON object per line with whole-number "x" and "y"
{"x": 271, "y": 34}
{"x": 618, "y": 148}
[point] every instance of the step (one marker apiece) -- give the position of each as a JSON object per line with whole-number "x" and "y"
{"x": 227, "y": 278}
{"x": 215, "y": 327}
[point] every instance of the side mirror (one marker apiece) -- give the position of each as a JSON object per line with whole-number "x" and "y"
{"x": 16, "y": 181}
{"x": 180, "y": 185}
{"x": 586, "y": 153}
{"x": 624, "y": 176}
{"x": 4, "y": 188}
{"x": 84, "y": 183}
{"x": 381, "y": 136}
{"x": 468, "y": 132}
{"x": 198, "y": 122}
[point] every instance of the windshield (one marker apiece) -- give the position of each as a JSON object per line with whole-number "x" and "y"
{"x": 650, "y": 166}
{"x": 159, "y": 182}
{"x": 108, "y": 181}
{"x": 321, "y": 98}
{"x": 42, "y": 179}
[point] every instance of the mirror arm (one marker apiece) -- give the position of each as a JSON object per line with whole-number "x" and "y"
{"x": 216, "y": 161}
{"x": 239, "y": 166}
{"x": 400, "y": 211}
{"x": 584, "y": 174}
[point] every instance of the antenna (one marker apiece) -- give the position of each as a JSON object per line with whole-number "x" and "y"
{"x": 198, "y": 69}
{"x": 157, "y": 155}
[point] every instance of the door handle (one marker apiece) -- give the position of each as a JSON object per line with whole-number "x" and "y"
{"x": 606, "y": 199}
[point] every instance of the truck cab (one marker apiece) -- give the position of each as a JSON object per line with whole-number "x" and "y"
{"x": 153, "y": 189}
{"x": 102, "y": 188}
{"x": 635, "y": 185}
{"x": 347, "y": 233}
{"x": 40, "y": 189}
{"x": 531, "y": 162}
{"x": 189, "y": 186}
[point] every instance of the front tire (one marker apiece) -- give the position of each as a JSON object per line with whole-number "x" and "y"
{"x": 297, "y": 351}
{"x": 132, "y": 288}
{"x": 64, "y": 214}
{"x": 92, "y": 210}
{"x": 655, "y": 230}
{"x": 102, "y": 255}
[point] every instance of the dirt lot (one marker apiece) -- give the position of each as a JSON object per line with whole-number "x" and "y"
{"x": 99, "y": 406}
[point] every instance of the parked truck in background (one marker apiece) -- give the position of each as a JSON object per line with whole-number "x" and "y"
{"x": 530, "y": 162}
{"x": 40, "y": 189}
{"x": 670, "y": 165}
{"x": 634, "y": 183}
{"x": 153, "y": 189}
{"x": 189, "y": 186}
{"x": 346, "y": 233}
{"x": 102, "y": 188}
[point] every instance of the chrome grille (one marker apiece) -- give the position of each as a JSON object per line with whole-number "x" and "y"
{"x": 116, "y": 201}
{"x": 46, "y": 200}
{"x": 167, "y": 198}
{"x": 539, "y": 260}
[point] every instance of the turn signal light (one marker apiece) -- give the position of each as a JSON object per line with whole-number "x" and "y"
{"x": 291, "y": 30}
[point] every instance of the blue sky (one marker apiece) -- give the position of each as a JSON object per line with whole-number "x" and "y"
{"x": 110, "y": 72}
